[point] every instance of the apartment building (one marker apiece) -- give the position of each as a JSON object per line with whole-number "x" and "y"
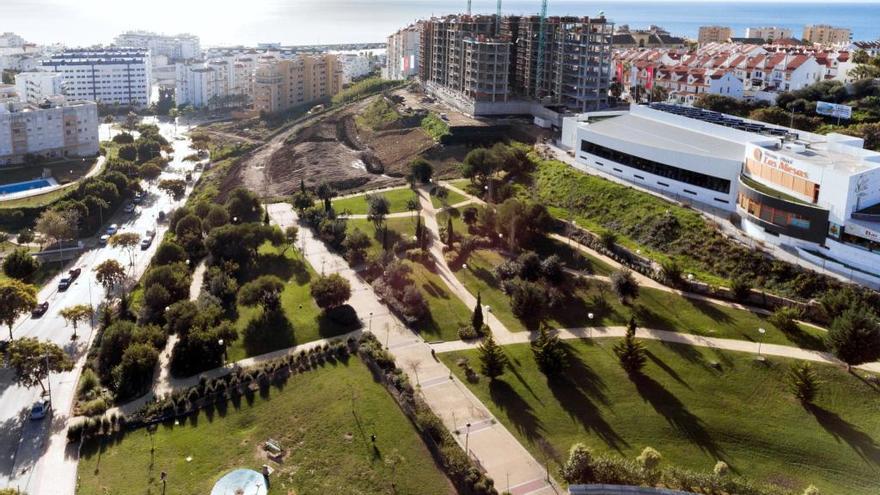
{"x": 713, "y": 34}
{"x": 11, "y": 40}
{"x": 826, "y": 35}
{"x": 768, "y": 33}
{"x": 485, "y": 60}
{"x": 56, "y": 128}
{"x": 173, "y": 48}
{"x": 35, "y": 87}
{"x": 403, "y": 53}
{"x": 109, "y": 76}
{"x": 216, "y": 83}
{"x": 280, "y": 84}
{"x": 8, "y": 94}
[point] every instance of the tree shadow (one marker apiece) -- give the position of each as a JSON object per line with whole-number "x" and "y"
{"x": 676, "y": 414}
{"x": 432, "y": 289}
{"x": 277, "y": 264}
{"x": 517, "y": 410}
{"x": 337, "y": 321}
{"x": 269, "y": 331}
{"x": 803, "y": 339}
{"x": 665, "y": 367}
{"x": 862, "y": 443}
{"x": 709, "y": 309}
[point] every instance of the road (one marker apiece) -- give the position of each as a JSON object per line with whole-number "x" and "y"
{"x": 33, "y": 455}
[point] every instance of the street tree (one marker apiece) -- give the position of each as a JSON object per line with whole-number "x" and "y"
{"x": 421, "y": 170}
{"x": 16, "y": 299}
{"x": 291, "y": 233}
{"x": 264, "y": 291}
{"x": 550, "y": 353}
{"x": 109, "y": 274}
{"x": 477, "y": 316}
{"x": 57, "y": 225}
{"x": 76, "y": 314}
{"x": 33, "y": 360}
{"x": 149, "y": 172}
{"x": 854, "y": 337}
{"x": 624, "y": 285}
{"x": 630, "y": 352}
{"x": 175, "y": 188}
{"x": 378, "y": 208}
{"x": 128, "y": 241}
{"x": 20, "y": 264}
{"x": 330, "y": 291}
{"x": 492, "y": 358}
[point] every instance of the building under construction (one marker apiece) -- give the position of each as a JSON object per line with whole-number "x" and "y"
{"x": 499, "y": 65}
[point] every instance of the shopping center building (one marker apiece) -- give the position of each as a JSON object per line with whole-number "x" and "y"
{"x": 818, "y": 195}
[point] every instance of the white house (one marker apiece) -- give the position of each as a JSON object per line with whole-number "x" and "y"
{"x": 726, "y": 84}
{"x": 35, "y": 87}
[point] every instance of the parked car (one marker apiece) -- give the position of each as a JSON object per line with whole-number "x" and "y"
{"x": 65, "y": 282}
{"x": 40, "y": 309}
{"x": 137, "y": 198}
{"x": 41, "y": 409}
{"x": 129, "y": 208}
{"x": 113, "y": 229}
{"x": 103, "y": 240}
{"x": 74, "y": 273}
{"x": 147, "y": 240}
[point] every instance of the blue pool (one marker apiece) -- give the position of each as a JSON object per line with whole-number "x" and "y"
{"x": 24, "y": 186}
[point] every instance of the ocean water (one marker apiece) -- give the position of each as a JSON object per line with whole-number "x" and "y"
{"x": 226, "y": 22}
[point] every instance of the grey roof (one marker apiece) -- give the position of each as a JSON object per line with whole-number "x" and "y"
{"x": 649, "y": 132}
{"x": 749, "y": 41}
{"x": 623, "y": 39}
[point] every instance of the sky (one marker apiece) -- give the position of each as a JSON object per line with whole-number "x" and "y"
{"x": 85, "y": 22}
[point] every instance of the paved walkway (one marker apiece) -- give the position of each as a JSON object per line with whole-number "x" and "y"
{"x": 489, "y": 442}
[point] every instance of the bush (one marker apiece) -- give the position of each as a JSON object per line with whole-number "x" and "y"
{"x": 721, "y": 469}
{"x": 94, "y": 407}
{"x": 88, "y": 383}
{"x": 330, "y": 291}
{"x": 803, "y": 382}
{"x": 134, "y": 374}
{"x": 20, "y": 264}
{"x": 649, "y": 459}
{"x": 577, "y": 469}
{"x": 784, "y": 318}
{"x": 740, "y": 288}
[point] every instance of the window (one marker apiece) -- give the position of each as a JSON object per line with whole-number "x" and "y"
{"x": 674, "y": 173}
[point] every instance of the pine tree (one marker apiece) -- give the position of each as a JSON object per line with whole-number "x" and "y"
{"x": 492, "y": 358}
{"x": 630, "y": 352}
{"x": 550, "y": 353}
{"x": 450, "y": 236}
{"x": 477, "y": 318}
{"x": 302, "y": 186}
{"x": 803, "y": 382}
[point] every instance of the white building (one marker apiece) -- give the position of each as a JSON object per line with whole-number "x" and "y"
{"x": 8, "y": 94}
{"x": 817, "y": 194}
{"x": 109, "y": 76}
{"x": 174, "y": 48}
{"x": 54, "y": 129}
{"x": 215, "y": 82}
{"x": 35, "y": 87}
{"x": 403, "y": 53}
{"x": 726, "y": 84}
{"x": 768, "y": 33}
{"x": 355, "y": 65}
{"x": 11, "y": 40}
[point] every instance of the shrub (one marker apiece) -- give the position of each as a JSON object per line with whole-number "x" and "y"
{"x": 624, "y": 285}
{"x": 94, "y": 407}
{"x": 649, "y": 459}
{"x": 811, "y": 490}
{"x": 88, "y": 383}
{"x": 740, "y": 288}
{"x": 467, "y": 332}
{"x": 721, "y": 469}
{"x": 803, "y": 382}
{"x": 577, "y": 468}
{"x": 784, "y": 318}
{"x": 330, "y": 291}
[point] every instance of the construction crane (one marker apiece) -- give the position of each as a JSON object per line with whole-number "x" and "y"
{"x": 469, "y": 8}
{"x": 498, "y": 18}
{"x": 539, "y": 65}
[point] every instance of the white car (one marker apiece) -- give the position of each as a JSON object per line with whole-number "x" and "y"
{"x": 113, "y": 229}
{"x": 41, "y": 409}
{"x": 103, "y": 240}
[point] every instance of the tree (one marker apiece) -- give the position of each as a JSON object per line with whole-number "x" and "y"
{"x": 854, "y": 337}
{"x": 76, "y": 314}
{"x": 16, "y": 299}
{"x": 33, "y": 360}
{"x": 149, "y": 172}
{"x": 377, "y": 208}
{"x": 134, "y": 373}
{"x": 356, "y": 244}
{"x": 109, "y": 274}
{"x": 492, "y": 358}
{"x": 128, "y": 152}
{"x": 175, "y": 188}
{"x": 127, "y": 241}
{"x": 413, "y": 205}
{"x": 244, "y": 206}
{"x": 478, "y": 165}
{"x": 421, "y": 170}
{"x": 20, "y": 264}
{"x": 522, "y": 221}
{"x": 469, "y": 216}
{"x": 803, "y": 382}
{"x": 550, "y": 353}
{"x": 630, "y": 352}
{"x": 25, "y": 236}
{"x": 290, "y": 235}
{"x": 450, "y": 234}
{"x": 624, "y": 285}
{"x": 325, "y": 193}
{"x": 265, "y": 291}
{"x": 578, "y": 468}
{"x": 671, "y": 271}
{"x": 302, "y": 201}
{"x": 477, "y": 316}
{"x": 330, "y": 291}
{"x": 58, "y": 225}
{"x": 167, "y": 253}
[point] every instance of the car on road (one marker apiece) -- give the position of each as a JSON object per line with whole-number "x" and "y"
{"x": 129, "y": 208}
{"x": 103, "y": 240}
{"x": 112, "y": 229}
{"x": 147, "y": 240}
{"x": 40, "y": 309}
{"x": 65, "y": 282}
{"x": 41, "y": 409}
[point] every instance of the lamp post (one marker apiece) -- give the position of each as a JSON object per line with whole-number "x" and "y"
{"x": 762, "y": 332}
{"x": 467, "y": 438}
{"x": 590, "y": 316}
{"x": 164, "y": 477}
{"x": 370, "y": 324}
{"x": 221, "y": 343}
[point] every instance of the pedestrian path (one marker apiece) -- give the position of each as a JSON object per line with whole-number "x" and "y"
{"x": 491, "y": 445}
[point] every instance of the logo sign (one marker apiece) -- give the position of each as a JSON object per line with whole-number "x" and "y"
{"x": 782, "y": 163}
{"x": 834, "y": 110}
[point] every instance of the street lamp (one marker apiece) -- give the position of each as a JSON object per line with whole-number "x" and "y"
{"x": 762, "y": 332}
{"x": 590, "y": 316}
{"x": 370, "y": 324}
{"x": 467, "y": 438}
{"x": 221, "y": 344}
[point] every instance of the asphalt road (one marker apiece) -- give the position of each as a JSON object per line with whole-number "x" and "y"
{"x": 33, "y": 453}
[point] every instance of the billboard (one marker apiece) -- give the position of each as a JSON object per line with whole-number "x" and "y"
{"x": 834, "y": 110}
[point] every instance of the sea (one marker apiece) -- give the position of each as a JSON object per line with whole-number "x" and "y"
{"x": 231, "y": 22}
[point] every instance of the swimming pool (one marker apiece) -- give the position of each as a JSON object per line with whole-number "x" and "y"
{"x": 24, "y": 186}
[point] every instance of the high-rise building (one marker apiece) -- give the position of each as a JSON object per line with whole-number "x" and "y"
{"x": 109, "y": 76}
{"x": 221, "y": 82}
{"x": 174, "y": 48}
{"x": 824, "y": 34}
{"x": 285, "y": 83}
{"x": 11, "y": 40}
{"x": 35, "y": 87}
{"x": 768, "y": 33}
{"x": 480, "y": 60}
{"x": 403, "y": 53}
{"x": 714, "y": 34}
{"x": 56, "y": 128}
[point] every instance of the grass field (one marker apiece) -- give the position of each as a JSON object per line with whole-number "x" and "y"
{"x": 694, "y": 414}
{"x": 655, "y": 309}
{"x": 357, "y": 205}
{"x": 304, "y": 320}
{"x": 398, "y": 228}
{"x": 452, "y": 198}
{"x": 322, "y": 418}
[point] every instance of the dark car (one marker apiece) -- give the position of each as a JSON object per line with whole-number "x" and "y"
{"x": 40, "y": 309}
{"x": 65, "y": 282}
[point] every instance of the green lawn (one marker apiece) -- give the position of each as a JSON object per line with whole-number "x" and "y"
{"x": 452, "y": 198}
{"x": 398, "y": 228}
{"x": 357, "y": 205}
{"x": 656, "y": 309}
{"x": 324, "y": 420}
{"x": 303, "y": 320}
{"x": 693, "y": 413}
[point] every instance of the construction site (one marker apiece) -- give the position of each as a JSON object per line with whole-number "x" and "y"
{"x": 497, "y": 65}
